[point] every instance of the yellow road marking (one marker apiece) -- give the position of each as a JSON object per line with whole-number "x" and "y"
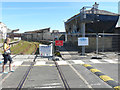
{"x": 87, "y": 65}
{"x": 94, "y": 70}
{"x": 105, "y": 78}
{"x": 117, "y": 88}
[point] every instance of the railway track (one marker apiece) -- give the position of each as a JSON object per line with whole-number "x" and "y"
{"x": 65, "y": 83}
{"x": 12, "y": 58}
{"x": 35, "y": 49}
{"x": 21, "y": 83}
{"x": 60, "y": 71}
{"x": 64, "y": 80}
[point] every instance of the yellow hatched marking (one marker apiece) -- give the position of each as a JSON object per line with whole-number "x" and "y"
{"x": 94, "y": 70}
{"x": 105, "y": 78}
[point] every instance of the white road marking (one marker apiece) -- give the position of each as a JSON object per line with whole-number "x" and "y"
{"x": 95, "y": 61}
{"x": 116, "y": 59}
{"x": 62, "y": 63}
{"x": 81, "y": 77}
{"x": 40, "y": 63}
{"x": 52, "y": 84}
{"x": 49, "y": 87}
{"x": 78, "y": 62}
{"x": 17, "y": 63}
{"x": 109, "y": 60}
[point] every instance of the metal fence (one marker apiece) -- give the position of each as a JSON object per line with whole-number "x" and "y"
{"x": 106, "y": 42}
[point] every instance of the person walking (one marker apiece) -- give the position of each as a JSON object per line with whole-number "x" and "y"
{"x": 7, "y": 56}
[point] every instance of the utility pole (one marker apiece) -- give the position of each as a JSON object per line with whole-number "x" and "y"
{"x": 95, "y": 7}
{"x": 97, "y": 43}
{"x": 103, "y": 41}
{"x": 83, "y": 27}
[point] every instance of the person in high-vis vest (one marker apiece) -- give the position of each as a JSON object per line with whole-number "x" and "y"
{"x": 7, "y": 56}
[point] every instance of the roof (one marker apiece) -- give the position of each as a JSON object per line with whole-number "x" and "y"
{"x": 100, "y": 12}
{"x": 39, "y": 31}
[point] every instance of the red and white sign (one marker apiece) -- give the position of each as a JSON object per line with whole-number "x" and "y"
{"x": 59, "y": 43}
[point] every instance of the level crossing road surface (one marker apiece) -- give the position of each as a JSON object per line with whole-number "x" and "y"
{"x": 44, "y": 74}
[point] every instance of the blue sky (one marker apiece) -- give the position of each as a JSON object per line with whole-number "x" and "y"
{"x": 29, "y": 16}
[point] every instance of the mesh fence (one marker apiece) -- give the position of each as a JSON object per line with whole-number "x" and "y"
{"x": 106, "y": 42}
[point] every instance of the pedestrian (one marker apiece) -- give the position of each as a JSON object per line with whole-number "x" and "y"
{"x": 7, "y": 56}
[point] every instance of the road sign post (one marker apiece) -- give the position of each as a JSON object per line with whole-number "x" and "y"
{"x": 83, "y": 41}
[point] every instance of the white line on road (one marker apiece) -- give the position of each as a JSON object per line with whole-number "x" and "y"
{"x": 62, "y": 62}
{"x": 40, "y": 63}
{"x": 78, "y": 62}
{"x": 110, "y": 61}
{"x": 81, "y": 77}
{"x": 95, "y": 61}
{"x": 17, "y": 63}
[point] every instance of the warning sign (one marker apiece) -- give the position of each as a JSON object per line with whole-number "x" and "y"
{"x": 59, "y": 43}
{"x": 45, "y": 50}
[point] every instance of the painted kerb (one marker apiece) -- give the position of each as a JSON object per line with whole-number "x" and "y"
{"x": 102, "y": 76}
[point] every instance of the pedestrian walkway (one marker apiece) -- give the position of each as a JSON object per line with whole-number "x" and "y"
{"x": 26, "y": 60}
{"x": 42, "y": 62}
{"x": 110, "y": 57}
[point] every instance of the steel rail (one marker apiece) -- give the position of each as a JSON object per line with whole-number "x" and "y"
{"x": 21, "y": 83}
{"x": 66, "y": 85}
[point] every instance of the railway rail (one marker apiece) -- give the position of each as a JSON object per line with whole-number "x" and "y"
{"x": 20, "y": 85}
{"x": 60, "y": 71}
{"x": 65, "y": 82}
{"x": 12, "y": 58}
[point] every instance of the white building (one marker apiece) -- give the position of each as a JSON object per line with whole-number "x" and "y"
{"x": 3, "y": 30}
